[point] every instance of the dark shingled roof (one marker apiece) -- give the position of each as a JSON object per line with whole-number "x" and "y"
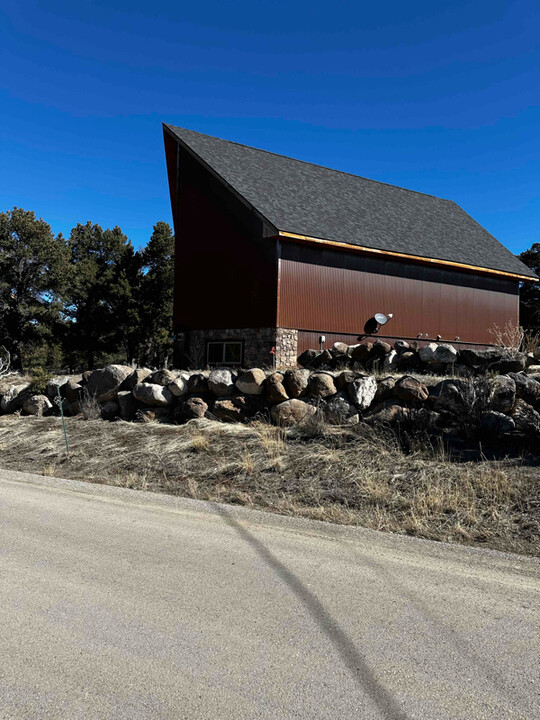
{"x": 306, "y": 199}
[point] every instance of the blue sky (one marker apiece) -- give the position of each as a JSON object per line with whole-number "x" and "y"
{"x": 440, "y": 98}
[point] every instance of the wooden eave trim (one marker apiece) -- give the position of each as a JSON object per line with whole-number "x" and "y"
{"x": 391, "y": 253}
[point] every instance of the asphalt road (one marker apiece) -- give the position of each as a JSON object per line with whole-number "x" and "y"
{"x": 117, "y": 604}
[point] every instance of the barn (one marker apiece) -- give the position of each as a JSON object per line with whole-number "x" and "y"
{"x": 275, "y": 255}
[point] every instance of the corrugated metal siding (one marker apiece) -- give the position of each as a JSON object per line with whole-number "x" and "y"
{"x": 339, "y": 295}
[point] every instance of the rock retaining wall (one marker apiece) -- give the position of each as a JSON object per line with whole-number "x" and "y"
{"x": 500, "y": 404}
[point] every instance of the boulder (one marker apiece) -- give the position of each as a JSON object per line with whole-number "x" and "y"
{"x": 408, "y": 360}
{"x": 110, "y": 410}
{"x": 127, "y": 404}
{"x": 527, "y": 388}
{"x": 296, "y": 382}
{"x": 410, "y": 390}
{"x": 503, "y": 394}
{"x": 54, "y": 384}
{"x": 274, "y": 389}
{"x": 525, "y": 417}
{"x": 197, "y": 383}
{"x": 498, "y": 360}
{"x": 72, "y": 391}
{"x": 400, "y": 346}
{"x": 362, "y": 391}
{"x": 361, "y": 353}
{"x": 307, "y": 357}
{"x": 221, "y": 382}
{"x": 291, "y": 412}
{"x": 385, "y": 389}
{"x": 340, "y": 349}
{"x": 453, "y": 396}
{"x": 13, "y": 399}
{"x": 389, "y": 411}
{"x": 533, "y": 370}
{"x": 139, "y": 375}
{"x": 36, "y": 405}
{"x": 343, "y": 379}
{"x": 152, "y": 394}
{"x": 161, "y": 377}
{"x": 494, "y": 423}
{"x": 104, "y": 384}
{"x": 190, "y": 409}
{"x": 380, "y": 349}
{"x": 321, "y": 385}
{"x": 338, "y": 410}
{"x": 237, "y": 409}
{"x": 445, "y": 354}
{"x": 427, "y": 353}
{"x": 179, "y": 385}
{"x": 322, "y": 360}
{"x": 390, "y": 363}
{"x": 251, "y": 382}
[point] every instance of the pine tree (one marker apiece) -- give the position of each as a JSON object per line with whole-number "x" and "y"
{"x": 529, "y": 300}
{"x": 32, "y": 273}
{"x": 156, "y": 296}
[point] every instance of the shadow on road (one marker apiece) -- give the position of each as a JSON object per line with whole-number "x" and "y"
{"x": 344, "y": 646}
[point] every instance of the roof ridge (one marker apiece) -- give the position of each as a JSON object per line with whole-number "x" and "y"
{"x": 307, "y": 162}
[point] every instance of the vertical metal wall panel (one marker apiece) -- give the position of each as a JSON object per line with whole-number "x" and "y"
{"x": 339, "y": 296}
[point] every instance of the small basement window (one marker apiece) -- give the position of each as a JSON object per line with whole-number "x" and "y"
{"x": 224, "y": 353}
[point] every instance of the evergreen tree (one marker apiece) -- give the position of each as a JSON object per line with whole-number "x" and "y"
{"x": 101, "y": 299}
{"x": 529, "y": 299}
{"x": 32, "y": 273}
{"x": 156, "y": 296}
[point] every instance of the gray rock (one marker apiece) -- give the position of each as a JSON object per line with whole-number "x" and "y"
{"x": 496, "y": 423}
{"x": 362, "y": 391}
{"x": 389, "y": 411}
{"x": 321, "y": 385}
{"x": 190, "y": 409}
{"x": 139, "y": 375}
{"x": 221, "y": 382}
{"x": 104, "y": 384}
{"x": 453, "y": 395}
{"x": 401, "y": 346}
{"x": 152, "y": 395}
{"x": 197, "y": 383}
{"x": 411, "y": 390}
{"x": 445, "y": 354}
{"x": 251, "y": 382}
{"x": 36, "y": 405}
{"x": 362, "y": 352}
{"x": 153, "y": 414}
{"x": 408, "y": 360}
{"x": 533, "y": 370}
{"x": 296, "y": 382}
{"x": 13, "y": 398}
{"x": 339, "y": 411}
{"x": 161, "y": 377}
{"x": 322, "y": 360}
{"x": 291, "y": 412}
{"x": 72, "y": 391}
{"x": 274, "y": 389}
{"x": 307, "y": 357}
{"x": 503, "y": 394}
{"x": 238, "y": 408}
{"x": 498, "y": 360}
{"x": 179, "y": 385}
{"x": 340, "y": 349}
{"x": 390, "y": 363}
{"x": 385, "y": 389}
{"x": 527, "y": 388}
{"x": 53, "y": 386}
{"x": 525, "y": 417}
{"x": 427, "y": 353}
{"x": 110, "y": 410}
{"x": 127, "y": 404}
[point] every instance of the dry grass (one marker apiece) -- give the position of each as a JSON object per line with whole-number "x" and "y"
{"x": 357, "y": 475}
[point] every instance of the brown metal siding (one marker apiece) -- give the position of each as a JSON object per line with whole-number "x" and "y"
{"x": 226, "y": 272}
{"x": 337, "y": 293}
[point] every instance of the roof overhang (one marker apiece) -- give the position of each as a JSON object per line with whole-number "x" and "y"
{"x": 415, "y": 258}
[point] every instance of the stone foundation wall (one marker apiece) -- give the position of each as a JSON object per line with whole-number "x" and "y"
{"x": 257, "y": 342}
{"x": 286, "y": 348}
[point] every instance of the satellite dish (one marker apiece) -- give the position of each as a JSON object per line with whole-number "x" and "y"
{"x": 381, "y": 318}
